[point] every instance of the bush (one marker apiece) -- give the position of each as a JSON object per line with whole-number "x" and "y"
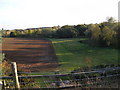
{"x": 102, "y": 35}
{"x": 81, "y": 29}
{"x": 47, "y": 32}
{"x": 12, "y": 34}
{"x": 67, "y": 32}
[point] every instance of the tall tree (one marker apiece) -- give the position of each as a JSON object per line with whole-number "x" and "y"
{"x": 111, "y": 20}
{"x": 81, "y": 29}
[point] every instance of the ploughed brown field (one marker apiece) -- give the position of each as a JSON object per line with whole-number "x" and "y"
{"x": 30, "y": 54}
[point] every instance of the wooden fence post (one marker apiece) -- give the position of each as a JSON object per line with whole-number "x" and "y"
{"x": 4, "y": 84}
{"x": 15, "y": 75}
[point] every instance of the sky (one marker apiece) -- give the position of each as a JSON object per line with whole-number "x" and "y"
{"x": 22, "y": 14}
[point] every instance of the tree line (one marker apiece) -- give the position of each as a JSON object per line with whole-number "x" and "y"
{"x": 103, "y": 34}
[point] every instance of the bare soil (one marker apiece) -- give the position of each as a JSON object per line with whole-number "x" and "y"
{"x": 30, "y": 54}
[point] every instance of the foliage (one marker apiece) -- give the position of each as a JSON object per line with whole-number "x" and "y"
{"x": 111, "y": 20}
{"x": 67, "y": 32}
{"x": 2, "y": 56}
{"x": 47, "y": 32}
{"x": 104, "y": 34}
{"x": 81, "y": 29}
{"x": 12, "y": 34}
{"x": 107, "y": 35}
{"x": 93, "y": 33}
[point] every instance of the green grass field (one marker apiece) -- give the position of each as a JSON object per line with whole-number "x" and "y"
{"x": 72, "y": 54}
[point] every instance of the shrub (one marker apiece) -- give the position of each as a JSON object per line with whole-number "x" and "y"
{"x": 67, "y": 32}
{"x": 12, "y": 34}
{"x": 47, "y": 32}
{"x": 81, "y": 29}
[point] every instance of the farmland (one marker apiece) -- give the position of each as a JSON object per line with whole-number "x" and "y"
{"x": 67, "y": 49}
{"x": 30, "y": 54}
{"x": 58, "y": 44}
{"x": 64, "y": 55}
{"x": 39, "y": 54}
{"x": 45, "y": 56}
{"x": 72, "y": 54}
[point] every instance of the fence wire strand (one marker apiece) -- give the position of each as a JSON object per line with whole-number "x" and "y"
{"x": 76, "y": 79}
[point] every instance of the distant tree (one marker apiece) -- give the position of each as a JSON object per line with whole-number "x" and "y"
{"x": 81, "y": 29}
{"x": 12, "y": 34}
{"x": 107, "y": 35}
{"x": 67, "y": 32}
{"x": 93, "y": 31}
{"x": 48, "y": 32}
{"x": 111, "y": 20}
{"x": 30, "y": 32}
{"x": 109, "y": 32}
{"x": 118, "y": 35}
{"x": 17, "y": 33}
{"x": 36, "y": 33}
{"x": 102, "y": 35}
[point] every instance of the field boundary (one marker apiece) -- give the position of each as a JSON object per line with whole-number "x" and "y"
{"x": 57, "y": 77}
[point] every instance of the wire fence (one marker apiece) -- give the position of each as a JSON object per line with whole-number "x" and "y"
{"x": 101, "y": 81}
{"x": 98, "y": 78}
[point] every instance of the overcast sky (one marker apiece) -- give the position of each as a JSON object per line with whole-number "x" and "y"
{"x": 15, "y": 14}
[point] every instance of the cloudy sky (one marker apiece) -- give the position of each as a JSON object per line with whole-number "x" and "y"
{"x": 15, "y": 14}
